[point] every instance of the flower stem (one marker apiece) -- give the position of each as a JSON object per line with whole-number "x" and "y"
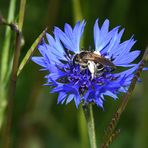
{"x": 88, "y": 111}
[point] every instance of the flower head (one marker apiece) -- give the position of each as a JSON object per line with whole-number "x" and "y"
{"x": 87, "y": 76}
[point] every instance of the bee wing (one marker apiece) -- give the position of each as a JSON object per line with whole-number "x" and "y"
{"x": 104, "y": 61}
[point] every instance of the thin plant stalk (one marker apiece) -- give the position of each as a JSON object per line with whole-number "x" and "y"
{"x": 6, "y": 46}
{"x": 5, "y": 62}
{"x": 125, "y": 100}
{"x": 77, "y": 10}
{"x": 30, "y": 52}
{"x": 11, "y": 94}
{"x": 21, "y": 14}
{"x": 88, "y": 111}
{"x": 7, "y": 131}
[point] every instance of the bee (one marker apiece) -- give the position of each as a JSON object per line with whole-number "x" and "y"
{"x": 94, "y": 62}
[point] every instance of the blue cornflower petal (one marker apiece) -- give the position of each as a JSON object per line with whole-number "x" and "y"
{"x": 114, "y": 43}
{"x": 146, "y": 68}
{"x": 75, "y": 83}
{"x": 71, "y": 37}
{"x": 47, "y": 54}
{"x": 101, "y": 36}
{"x": 55, "y": 45}
{"x": 105, "y": 27}
{"x": 40, "y": 61}
{"x": 122, "y": 48}
{"x": 61, "y": 97}
{"x": 70, "y": 98}
{"x": 59, "y": 88}
{"x": 127, "y": 58}
{"x": 109, "y": 93}
{"x": 99, "y": 102}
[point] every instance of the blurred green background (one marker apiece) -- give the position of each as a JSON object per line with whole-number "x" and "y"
{"x": 38, "y": 122}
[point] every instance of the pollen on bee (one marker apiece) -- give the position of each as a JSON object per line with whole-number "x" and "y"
{"x": 92, "y": 68}
{"x": 97, "y": 52}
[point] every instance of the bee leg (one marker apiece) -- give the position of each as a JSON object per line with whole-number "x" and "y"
{"x": 83, "y": 66}
{"x": 92, "y": 68}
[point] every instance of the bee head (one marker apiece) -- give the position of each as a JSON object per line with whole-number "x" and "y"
{"x": 76, "y": 59}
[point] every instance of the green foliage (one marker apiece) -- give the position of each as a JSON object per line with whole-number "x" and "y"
{"x": 38, "y": 122}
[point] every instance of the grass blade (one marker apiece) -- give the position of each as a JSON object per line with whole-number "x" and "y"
{"x": 30, "y": 52}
